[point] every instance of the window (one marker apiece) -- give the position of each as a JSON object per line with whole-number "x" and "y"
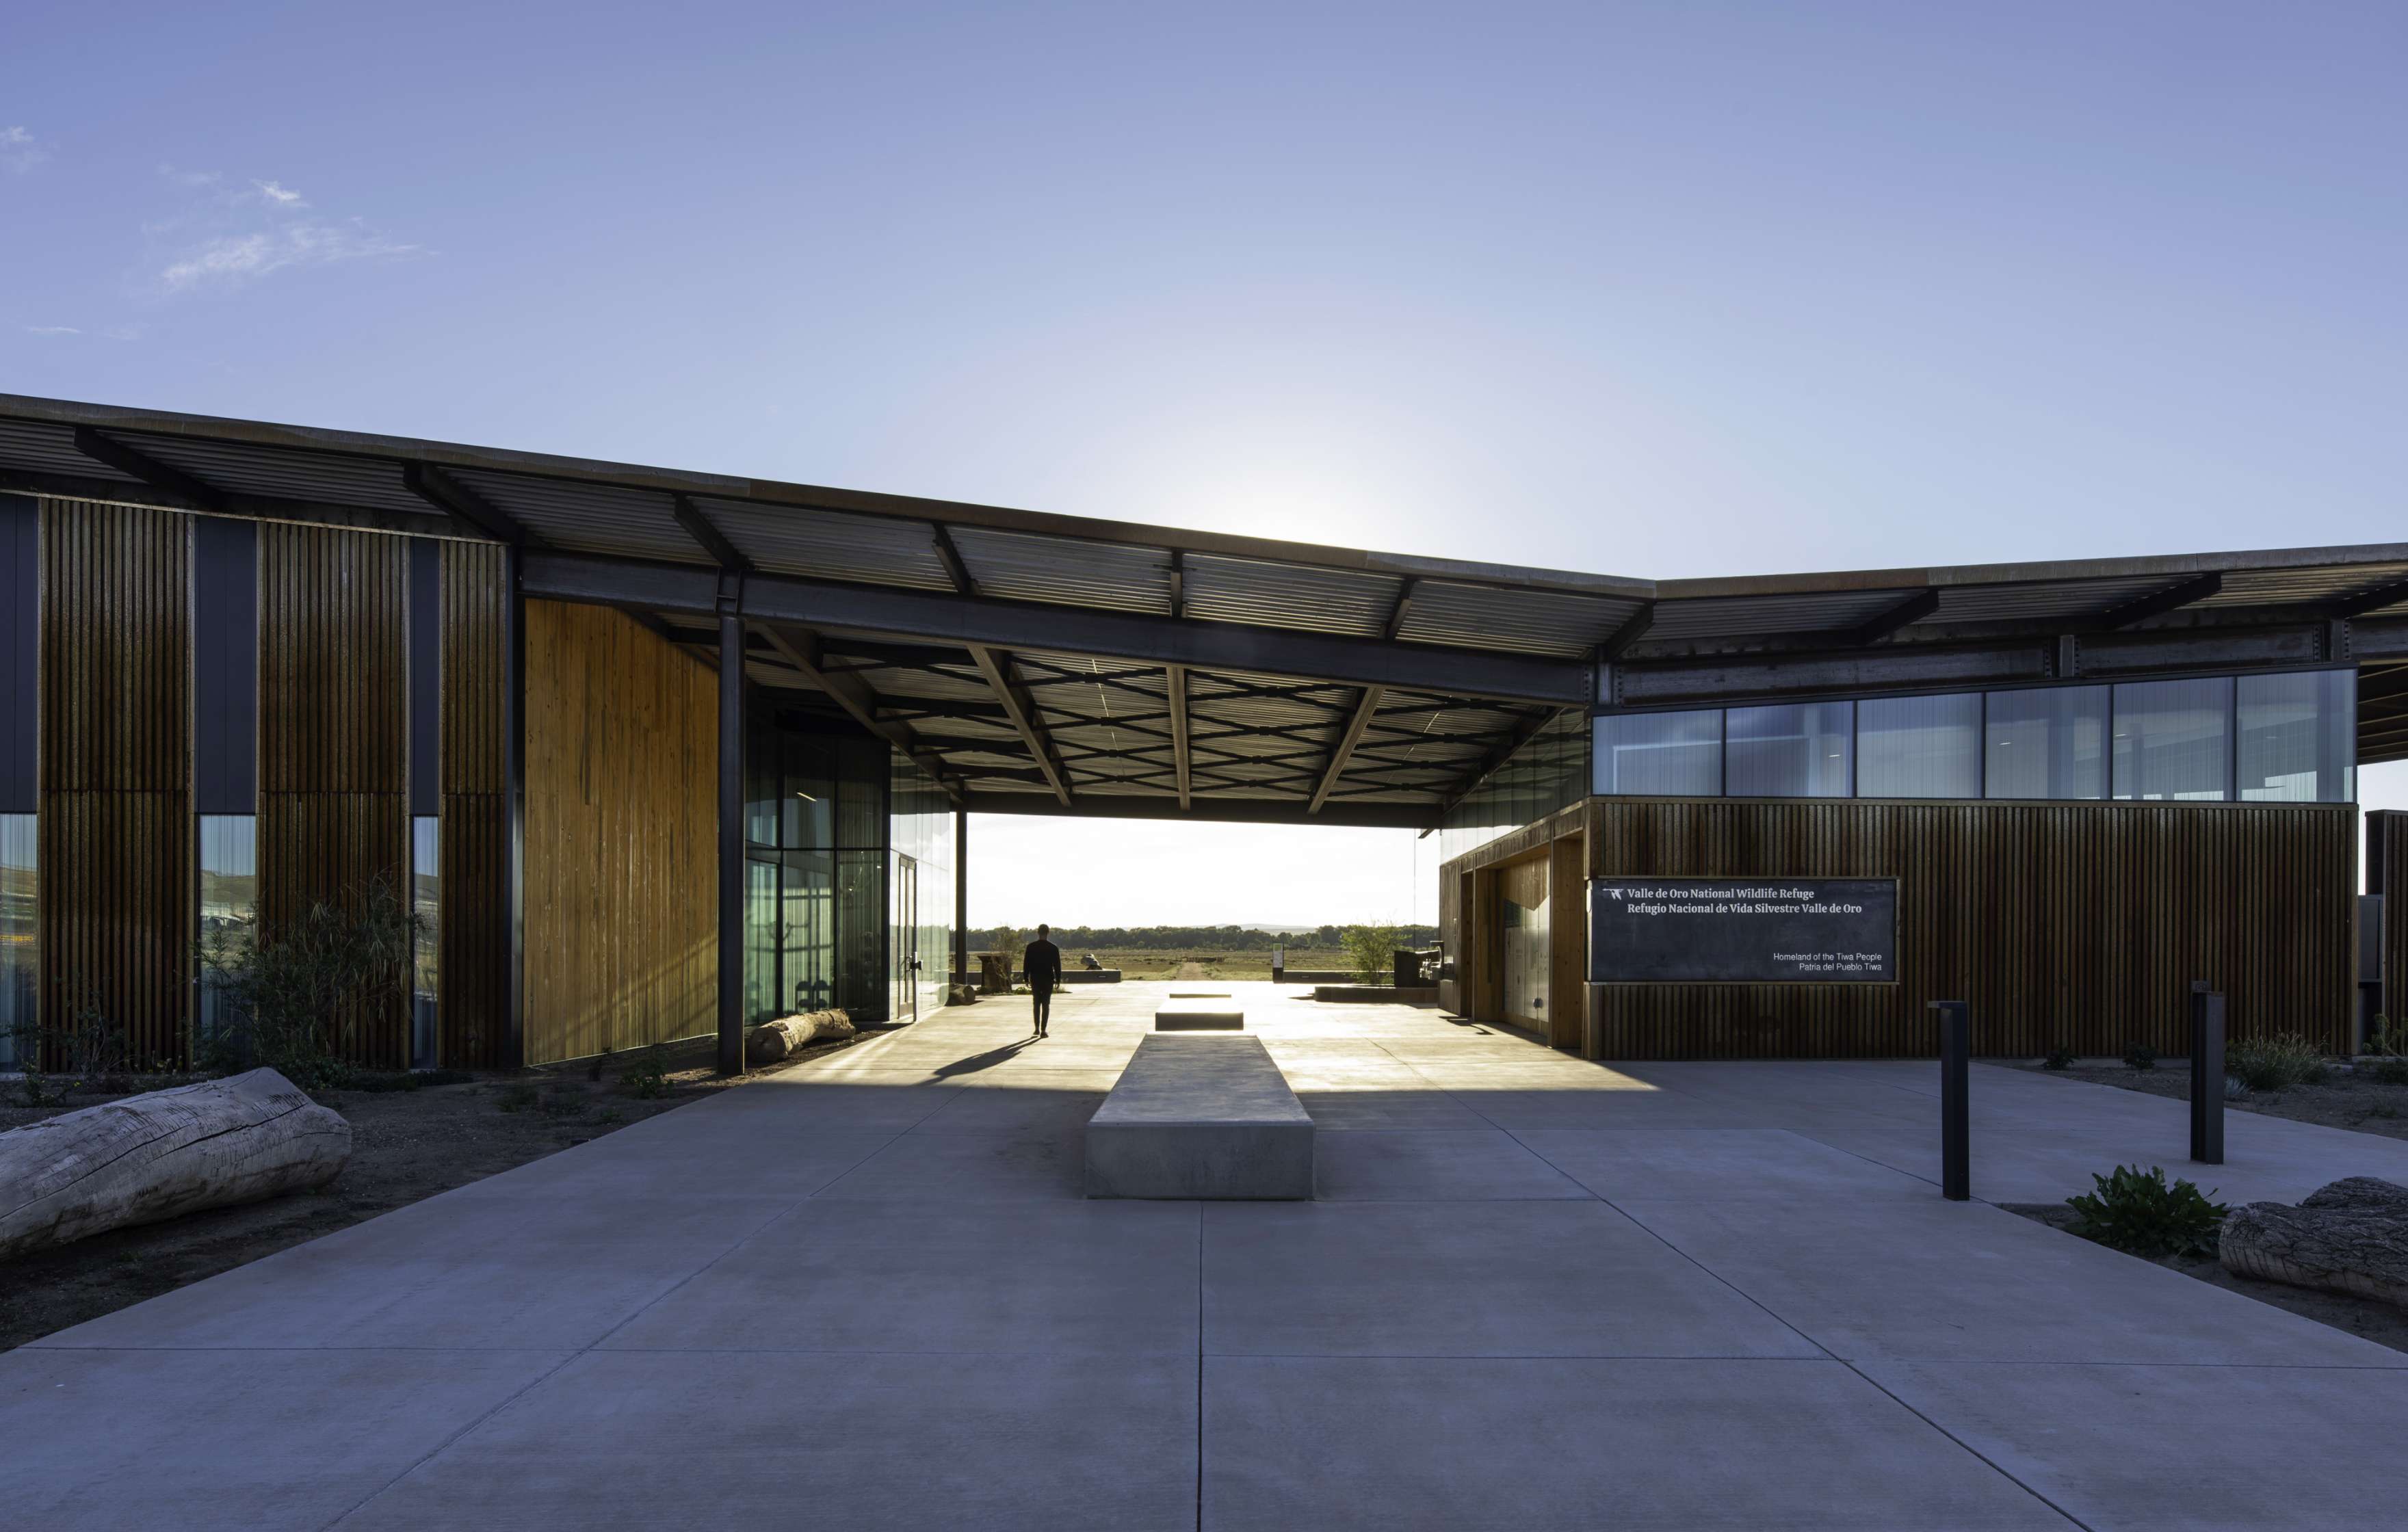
{"x": 1660, "y": 754}
{"x": 1919, "y": 746}
{"x": 2174, "y": 739}
{"x": 20, "y": 957}
{"x": 2047, "y": 742}
{"x": 1797, "y": 751}
{"x": 229, "y": 864}
{"x": 2297, "y": 739}
{"x": 427, "y": 903}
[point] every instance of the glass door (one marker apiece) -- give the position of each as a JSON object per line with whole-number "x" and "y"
{"x": 906, "y": 943}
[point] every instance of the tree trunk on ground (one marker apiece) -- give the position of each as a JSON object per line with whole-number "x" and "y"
{"x": 2349, "y": 1236}
{"x": 163, "y": 1153}
{"x": 773, "y": 1041}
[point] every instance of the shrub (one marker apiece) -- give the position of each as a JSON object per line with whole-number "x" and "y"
{"x": 1372, "y": 952}
{"x": 296, "y": 999}
{"x": 565, "y": 1098}
{"x": 518, "y": 1096}
{"x": 2388, "y": 1071}
{"x": 648, "y": 1077}
{"x": 2059, "y": 1058}
{"x": 2274, "y": 1064}
{"x": 2140, "y": 1055}
{"x": 2141, "y": 1216}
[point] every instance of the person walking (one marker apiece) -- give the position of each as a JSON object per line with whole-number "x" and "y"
{"x": 1042, "y": 963}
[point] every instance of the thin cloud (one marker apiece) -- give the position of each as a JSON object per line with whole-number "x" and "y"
{"x": 20, "y": 151}
{"x": 189, "y": 177}
{"x": 279, "y": 196}
{"x": 235, "y": 258}
{"x": 52, "y": 330}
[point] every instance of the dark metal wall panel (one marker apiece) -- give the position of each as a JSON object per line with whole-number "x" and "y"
{"x": 425, "y": 676}
{"x": 2386, "y": 834}
{"x": 475, "y": 933}
{"x": 225, "y": 665}
{"x": 2078, "y": 925}
{"x": 116, "y": 880}
{"x": 334, "y": 737}
{"x": 20, "y": 649}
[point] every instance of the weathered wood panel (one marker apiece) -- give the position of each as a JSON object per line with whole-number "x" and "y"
{"x": 474, "y": 935}
{"x": 116, "y": 880}
{"x": 333, "y": 808}
{"x": 2078, "y": 925}
{"x": 622, "y": 905}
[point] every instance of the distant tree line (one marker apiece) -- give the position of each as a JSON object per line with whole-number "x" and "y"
{"x": 1215, "y": 938}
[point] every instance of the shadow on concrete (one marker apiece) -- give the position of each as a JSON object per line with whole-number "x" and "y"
{"x": 987, "y": 1060}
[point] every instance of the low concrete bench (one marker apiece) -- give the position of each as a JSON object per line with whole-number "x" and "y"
{"x": 1200, "y": 1010}
{"x": 1201, "y": 1117}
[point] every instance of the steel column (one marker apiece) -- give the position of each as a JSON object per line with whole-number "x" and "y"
{"x": 2206, "y": 1074}
{"x": 1955, "y": 1138}
{"x": 731, "y": 841}
{"x": 961, "y": 896}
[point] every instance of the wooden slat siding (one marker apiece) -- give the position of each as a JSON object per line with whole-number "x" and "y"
{"x": 2394, "y": 828}
{"x": 2080, "y": 925}
{"x": 474, "y": 962}
{"x": 1453, "y": 993}
{"x": 621, "y": 900}
{"x": 116, "y": 846}
{"x": 1567, "y": 939}
{"x": 334, "y": 756}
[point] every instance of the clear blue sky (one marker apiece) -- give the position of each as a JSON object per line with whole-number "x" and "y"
{"x": 1652, "y": 290}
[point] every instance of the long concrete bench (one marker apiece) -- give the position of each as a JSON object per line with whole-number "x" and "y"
{"x": 1201, "y": 1117}
{"x": 1199, "y": 1011}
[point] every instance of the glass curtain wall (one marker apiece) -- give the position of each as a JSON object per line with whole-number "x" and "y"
{"x": 1551, "y": 771}
{"x": 922, "y": 925}
{"x": 2283, "y": 737}
{"x": 815, "y": 819}
{"x": 427, "y": 903}
{"x": 19, "y": 957}
{"x": 229, "y": 901}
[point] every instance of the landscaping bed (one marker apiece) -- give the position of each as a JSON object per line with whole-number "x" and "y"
{"x": 2366, "y": 1318}
{"x": 2342, "y": 1099}
{"x": 405, "y": 1144}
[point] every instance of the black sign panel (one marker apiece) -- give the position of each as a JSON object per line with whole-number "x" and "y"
{"x": 1742, "y": 931}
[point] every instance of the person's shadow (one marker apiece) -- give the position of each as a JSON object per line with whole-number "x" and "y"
{"x": 987, "y": 1060}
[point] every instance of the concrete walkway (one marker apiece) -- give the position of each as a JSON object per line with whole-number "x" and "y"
{"x": 1535, "y": 1293}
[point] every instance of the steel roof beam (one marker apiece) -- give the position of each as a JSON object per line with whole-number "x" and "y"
{"x": 995, "y": 665}
{"x": 1522, "y": 733}
{"x": 159, "y": 475}
{"x": 1913, "y": 609}
{"x": 1279, "y": 810}
{"x": 712, "y": 541}
{"x": 800, "y": 649}
{"x": 2374, "y": 598}
{"x": 1343, "y": 750}
{"x": 2172, "y": 598}
{"x": 948, "y": 618}
{"x": 1174, "y": 685}
{"x": 465, "y": 506}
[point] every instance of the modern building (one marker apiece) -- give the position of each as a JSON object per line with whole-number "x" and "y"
{"x": 661, "y": 755}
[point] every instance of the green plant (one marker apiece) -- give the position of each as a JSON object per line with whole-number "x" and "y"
{"x": 565, "y": 1099}
{"x": 648, "y": 1077}
{"x": 609, "y": 1114}
{"x": 2389, "y": 1039}
{"x": 295, "y": 999}
{"x": 518, "y": 1096}
{"x": 2388, "y": 1071}
{"x": 2140, "y": 1055}
{"x": 1372, "y": 952}
{"x": 34, "y": 1081}
{"x": 2141, "y": 1216}
{"x": 2059, "y": 1058}
{"x": 2274, "y": 1064}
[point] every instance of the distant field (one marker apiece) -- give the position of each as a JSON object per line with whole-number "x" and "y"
{"x": 1163, "y": 963}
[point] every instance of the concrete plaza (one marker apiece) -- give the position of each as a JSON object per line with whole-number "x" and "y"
{"x": 1534, "y": 1292}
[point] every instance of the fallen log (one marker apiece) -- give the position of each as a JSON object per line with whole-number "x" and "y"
{"x": 773, "y": 1041}
{"x": 2348, "y": 1236}
{"x": 161, "y": 1154}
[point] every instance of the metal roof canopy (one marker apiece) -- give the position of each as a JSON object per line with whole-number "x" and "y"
{"x": 1064, "y": 664}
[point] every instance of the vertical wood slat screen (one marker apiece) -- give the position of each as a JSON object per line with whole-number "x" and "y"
{"x": 622, "y": 822}
{"x": 2074, "y": 926}
{"x": 116, "y": 880}
{"x": 474, "y": 956}
{"x": 334, "y": 737}
{"x": 2079, "y": 925}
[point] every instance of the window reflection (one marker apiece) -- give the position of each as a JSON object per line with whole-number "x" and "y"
{"x": 20, "y": 955}
{"x": 229, "y": 909}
